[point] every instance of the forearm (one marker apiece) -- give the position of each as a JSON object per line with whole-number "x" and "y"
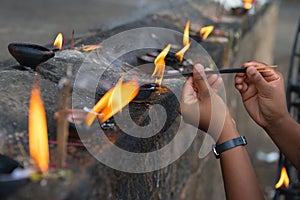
{"x": 238, "y": 174}
{"x": 286, "y": 135}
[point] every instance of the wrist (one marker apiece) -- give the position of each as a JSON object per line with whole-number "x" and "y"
{"x": 229, "y": 144}
{"x": 278, "y": 125}
{"x": 228, "y": 132}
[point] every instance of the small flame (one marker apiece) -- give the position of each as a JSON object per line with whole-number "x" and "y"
{"x": 186, "y": 34}
{"x": 283, "y": 180}
{"x": 113, "y": 101}
{"x": 186, "y": 42}
{"x": 179, "y": 55}
{"x": 58, "y": 42}
{"x": 205, "y": 31}
{"x": 160, "y": 64}
{"x": 247, "y": 4}
{"x": 37, "y": 130}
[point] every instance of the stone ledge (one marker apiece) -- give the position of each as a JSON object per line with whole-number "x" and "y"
{"x": 186, "y": 178}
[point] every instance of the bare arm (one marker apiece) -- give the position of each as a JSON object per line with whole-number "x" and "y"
{"x": 286, "y": 135}
{"x": 238, "y": 175}
{"x": 264, "y": 98}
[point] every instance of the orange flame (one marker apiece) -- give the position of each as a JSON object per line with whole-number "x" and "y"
{"x": 179, "y": 55}
{"x": 58, "y": 42}
{"x": 113, "y": 101}
{"x": 37, "y": 130}
{"x": 160, "y": 64}
{"x": 186, "y": 42}
{"x": 186, "y": 34}
{"x": 283, "y": 180}
{"x": 205, "y": 31}
{"x": 247, "y": 4}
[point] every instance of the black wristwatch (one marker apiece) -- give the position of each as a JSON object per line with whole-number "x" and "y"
{"x": 218, "y": 149}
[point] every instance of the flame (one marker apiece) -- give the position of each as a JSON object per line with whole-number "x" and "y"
{"x": 37, "y": 130}
{"x": 58, "y": 42}
{"x": 247, "y": 4}
{"x": 205, "y": 31}
{"x": 186, "y": 42}
{"x": 283, "y": 180}
{"x": 186, "y": 34}
{"x": 160, "y": 64}
{"x": 113, "y": 101}
{"x": 179, "y": 55}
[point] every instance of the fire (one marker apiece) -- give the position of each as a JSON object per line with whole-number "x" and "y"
{"x": 205, "y": 31}
{"x": 179, "y": 55}
{"x": 247, "y": 4}
{"x": 113, "y": 101}
{"x": 37, "y": 130}
{"x": 160, "y": 64}
{"x": 186, "y": 42}
{"x": 186, "y": 34}
{"x": 283, "y": 180}
{"x": 58, "y": 42}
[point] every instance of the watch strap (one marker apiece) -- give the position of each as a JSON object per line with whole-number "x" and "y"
{"x": 218, "y": 149}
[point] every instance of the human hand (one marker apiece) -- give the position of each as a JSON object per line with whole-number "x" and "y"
{"x": 263, "y": 94}
{"x": 201, "y": 106}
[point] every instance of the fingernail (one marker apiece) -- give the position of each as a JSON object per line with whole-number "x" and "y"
{"x": 252, "y": 71}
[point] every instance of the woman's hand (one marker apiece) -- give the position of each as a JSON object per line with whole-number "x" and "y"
{"x": 201, "y": 106}
{"x": 263, "y": 94}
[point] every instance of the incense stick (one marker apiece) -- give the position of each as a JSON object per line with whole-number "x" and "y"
{"x": 234, "y": 70}
{"x": 62, "y": 121}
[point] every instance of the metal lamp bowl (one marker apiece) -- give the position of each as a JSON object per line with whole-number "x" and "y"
{"x": 145, "y": 91}
{"x": 9, "y": 183}
{"x": 30, "y": 55}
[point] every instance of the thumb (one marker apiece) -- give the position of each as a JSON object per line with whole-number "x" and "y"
{"x": 256, "y": 79}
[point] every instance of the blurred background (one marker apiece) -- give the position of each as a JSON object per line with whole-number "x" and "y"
{"x": 37, "y": 21}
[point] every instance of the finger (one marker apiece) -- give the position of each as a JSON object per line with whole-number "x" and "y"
{"x": 199, "y": 78}
{"x": 271, "y": 75}
{"x": 249, "y": 64}
{"x": 256, "y": 78}
{"x": 187, "y": 92}
{"x": 242, "y": 87}
{"x": 214, "y": 81}
{"x": 239, "y": 79}
{"x": 211, "y": 78}
{"x": 188, "y": 89}
{"x": 217, "y": 84}
{"x": 240, "y": 83}
{"x": 242, "y": 75}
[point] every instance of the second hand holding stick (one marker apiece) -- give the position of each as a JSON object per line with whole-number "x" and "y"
{"x": 233, "y": 70}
